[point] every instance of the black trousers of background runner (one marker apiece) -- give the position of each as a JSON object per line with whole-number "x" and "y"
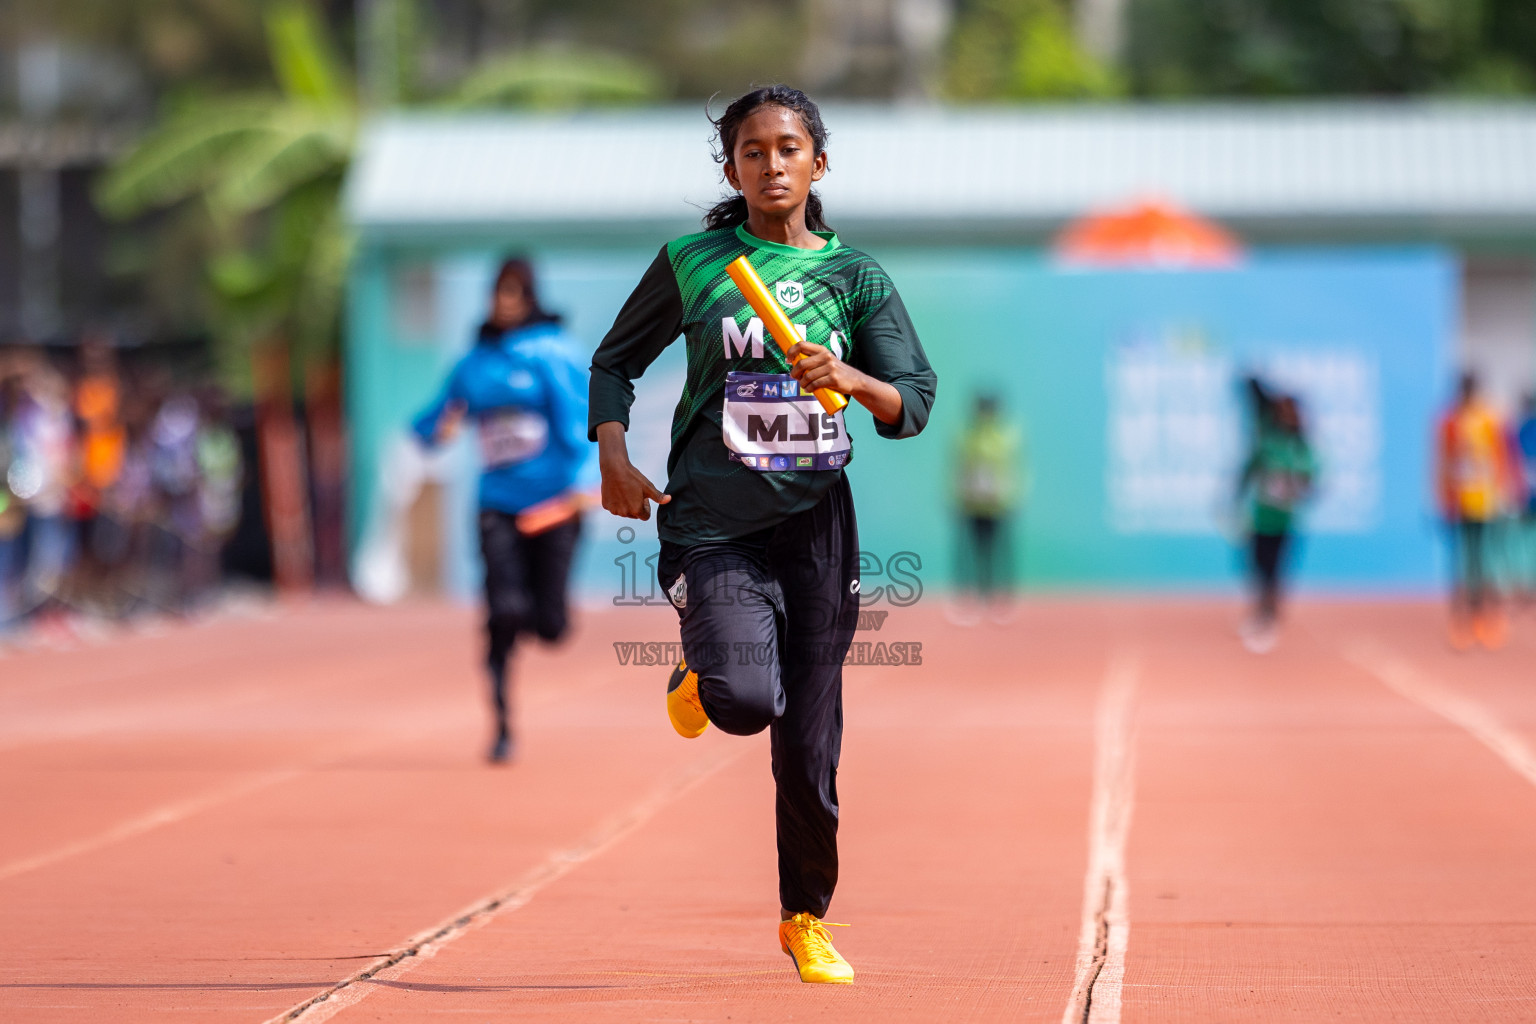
{"x": 766, "y": 623}
{"x": 1268, "y": 562}
{"x": 526, "y": 579}
{"x": 988, "y": 555}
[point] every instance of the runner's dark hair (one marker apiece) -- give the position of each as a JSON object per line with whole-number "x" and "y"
{"x": 732, "y": 210}
{"x": 519, "y": 268}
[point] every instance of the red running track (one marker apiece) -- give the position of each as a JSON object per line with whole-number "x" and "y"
{"x": 1103, "y": 811}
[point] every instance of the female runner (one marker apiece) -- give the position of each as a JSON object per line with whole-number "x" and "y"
{"x": 523, "y": 384}
{"x": 759, "y": 547}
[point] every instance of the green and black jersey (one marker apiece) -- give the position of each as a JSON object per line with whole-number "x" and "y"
{"x": 839, "y": 296}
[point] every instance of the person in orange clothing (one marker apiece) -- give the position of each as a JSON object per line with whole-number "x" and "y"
{"x": 103, "y": 445}
{"x": 98, "y": 401}
{"x": 1476, "y": 480}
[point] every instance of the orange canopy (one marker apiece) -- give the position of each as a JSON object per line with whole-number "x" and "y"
{"x": 1150, "y": 233}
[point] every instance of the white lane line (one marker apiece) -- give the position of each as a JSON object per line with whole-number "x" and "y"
{"x": 1106, "y": 899}
{"x": 1409, "y": 682}
{"x": 426, "y": 944}
{"x": 168, "y": 814}
{"x": 180, "y": 810}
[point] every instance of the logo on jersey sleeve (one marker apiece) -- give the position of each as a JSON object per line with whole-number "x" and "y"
{"x": 791, "y": 294}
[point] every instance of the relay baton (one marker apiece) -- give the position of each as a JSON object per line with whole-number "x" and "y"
{"x": 551, "y": 512}
{"x": 769, "y": 312}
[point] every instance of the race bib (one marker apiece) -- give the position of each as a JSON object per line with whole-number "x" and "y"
{"x": 1280, "y": 489}
{"x": 770, "y": 424}
{"x": 512, "y": 436}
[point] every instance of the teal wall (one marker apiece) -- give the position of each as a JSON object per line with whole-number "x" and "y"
{"x": 1123, "y": 382}
{"x": 1364, "y": 336}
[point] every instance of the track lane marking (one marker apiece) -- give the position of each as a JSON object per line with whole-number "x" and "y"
{"x": 424, "y": 945}
{"x": 168, "y": 814}
{"x": 180, "y": 810}
{"x": 1412, "y": 684}
{"x": 1106, "y": 924}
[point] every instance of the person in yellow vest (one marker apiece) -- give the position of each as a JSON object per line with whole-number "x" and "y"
{"x": 989, "y": 486}
{"x": 1476, "y": 484}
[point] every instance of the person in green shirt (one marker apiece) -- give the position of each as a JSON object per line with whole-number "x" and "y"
{"x": 989, "y": 486}
{"x": 759, "y": 544}
{"x": 1276, "y": 478}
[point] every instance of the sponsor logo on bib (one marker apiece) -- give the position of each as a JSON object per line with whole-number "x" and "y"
{"x": 747, "y": 390}
{"x": 789, "y": 293}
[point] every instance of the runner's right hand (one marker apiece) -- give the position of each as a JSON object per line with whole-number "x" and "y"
{"x": 627, "y": 492}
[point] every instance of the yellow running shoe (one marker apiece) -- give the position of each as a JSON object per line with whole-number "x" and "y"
{"x": 683, "y": 704}
{"x": 806, "y": 939}
{"x": 1491, "y": 629}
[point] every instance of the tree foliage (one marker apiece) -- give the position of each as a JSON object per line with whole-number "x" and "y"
{"x": 1022, "y": 49}
{"x": 554, "y": 77}
{"x": 259, "y": 175}
{"x": 253, "y": 178}
{"x": 172, "y": 42}
{"x": 1330, "y": 47}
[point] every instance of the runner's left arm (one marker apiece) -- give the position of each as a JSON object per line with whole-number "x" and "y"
{"x": 886, "y": 346}
{"x": 650, "y": 320}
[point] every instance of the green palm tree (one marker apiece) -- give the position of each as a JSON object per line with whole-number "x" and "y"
{"x": 262, "y": 173}
{"x": 255, "y": 178}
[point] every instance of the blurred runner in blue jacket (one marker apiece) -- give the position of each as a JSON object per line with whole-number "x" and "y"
{"x": 525, "y": 387}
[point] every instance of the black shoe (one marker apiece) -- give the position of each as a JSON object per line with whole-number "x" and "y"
{"x": 501, "y": 750}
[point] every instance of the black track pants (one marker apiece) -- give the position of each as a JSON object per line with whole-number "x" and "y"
{"x": 526, "y": 578}
{"x": 766, "y": 621}
{"x": 1268, "y": 551}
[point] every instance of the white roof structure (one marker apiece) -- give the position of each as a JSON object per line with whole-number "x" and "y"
{"x": 1419, "y": 168}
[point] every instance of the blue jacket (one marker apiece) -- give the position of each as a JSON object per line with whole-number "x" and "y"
{"x": 527, "y": 393}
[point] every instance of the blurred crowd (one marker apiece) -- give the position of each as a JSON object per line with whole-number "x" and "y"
{"x": 118, "y": 490}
